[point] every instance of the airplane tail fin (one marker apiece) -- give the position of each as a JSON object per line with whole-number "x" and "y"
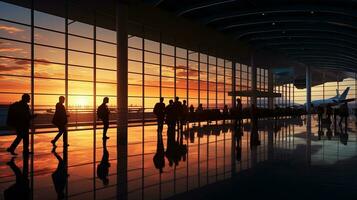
{"x": 345, "y": 93}
{"x": 337, "y": 94}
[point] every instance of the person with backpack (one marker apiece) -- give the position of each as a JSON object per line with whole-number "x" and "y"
{"x": 159, "y": 111}
{"x": 19, "y": 117}
{"x": 103, "y": 114}
{"x": 60, "y": 121}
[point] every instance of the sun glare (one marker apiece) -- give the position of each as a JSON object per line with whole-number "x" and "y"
{"x": 80, "y": 101}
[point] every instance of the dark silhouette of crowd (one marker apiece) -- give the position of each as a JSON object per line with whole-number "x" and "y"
{"x": 333, "y": 116}
{"x": 177, "y": 114}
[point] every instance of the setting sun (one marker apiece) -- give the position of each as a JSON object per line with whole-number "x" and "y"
{"x": 79, "y": 101}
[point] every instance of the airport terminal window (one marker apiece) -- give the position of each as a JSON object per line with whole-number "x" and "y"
{"x": 154, "y": 69}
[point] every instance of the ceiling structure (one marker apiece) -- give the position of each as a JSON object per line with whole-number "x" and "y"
{"x": 318, "y": 33}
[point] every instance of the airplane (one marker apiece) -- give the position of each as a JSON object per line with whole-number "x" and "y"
{"x": 333, "y": 101}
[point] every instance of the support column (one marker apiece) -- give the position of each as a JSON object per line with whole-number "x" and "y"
{"x": 308, "y": 90}
{"x": 308, "y": 115}
{"x": 233, "y": 84}
{"x": 254, "y": 80}
{"x": 122, "y": 99}
{"x": 122, "y": 70}
{"x": 270, "y": 89}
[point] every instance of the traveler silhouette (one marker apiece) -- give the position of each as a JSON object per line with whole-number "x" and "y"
{"x": 103, "y": 166}
{"x": 60, "y": 121}
{"x": 237, "y": 112}
{"x": 225, "y": 112}
{"x": 254, "y": 113}
{"x": 199, "y": 112}
{"x": 60, "y": 175}
{"x": 329, "y": 112}
{"x": 320, "y": 112}
{"x": 178, "y": 111}
{"x": 184, "y": 114}
{"x": 343, "y": 111}
{"x": 19, "y": 117}
{"x": 192, "y": 113}
{"x": 21, "y": 189}
{"x": 192, "y": 109}
{"x": 103, "y": 114}
{"x": 159, "y": 157}
{"x": 159, "y": 111}
{"x": 238, "y": 142}
{"x": 170, "y": 115}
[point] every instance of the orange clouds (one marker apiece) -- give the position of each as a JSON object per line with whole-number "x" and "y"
{"x": 10, "y": 29}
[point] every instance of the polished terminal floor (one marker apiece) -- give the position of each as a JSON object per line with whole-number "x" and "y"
{"x": 206, "y": 161}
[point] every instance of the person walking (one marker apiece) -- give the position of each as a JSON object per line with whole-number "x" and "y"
{"x": 103, "y": 114}
{"x": 19, "y": 117}
{"x": 343, "y": 112}
{"x": 170, "y": 115}
{"x": 60, "y": 121}
{"x": 178, "y": 111}
{"x": 159, "y": 111}
{"x": 184, "y": 114}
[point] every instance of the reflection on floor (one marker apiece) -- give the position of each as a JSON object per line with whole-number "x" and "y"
{"x": 158, "y": 166}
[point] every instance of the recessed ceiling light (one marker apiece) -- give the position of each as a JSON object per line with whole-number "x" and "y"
{"x": 273, "y": 23}
{"x": 263, "y": 14}
{"x": 312, "y": 12}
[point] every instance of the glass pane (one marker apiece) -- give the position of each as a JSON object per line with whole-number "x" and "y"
{"x": 14, "y": 31}
{"x": 15, "y": 66}
{"x": 49, "y": 38}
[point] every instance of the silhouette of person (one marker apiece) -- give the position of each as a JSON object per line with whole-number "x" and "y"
{"x": 343, "y": 111}
{"x": 199, "y": 112}
{"x": 237, "y": 112}
{"x": 225, "y": 111}
{"x": 159, "y": 111}
{"x": 170, "y": 115}
{"x": 335, "y": 112}
{"x": 320, "y": 111}
{"x": 103, "y": 114}
{"x": 192, "y": 112}
{"x": 60, "y": 121}
{"x": 159, "y": 157}
{"x": 184, "y": 114}
{"x": 60, "y": 175}
{"x": 103, "y": 166}
{"x": 21, "y": 189}
{"x": 178, "y": 111}
{"x": 320, "y": 133}
{"x": 329, "y": 133}
{"x": 329, "y": 112}
{"x": 20, "y": 121}
{"x": 254, "y": 113}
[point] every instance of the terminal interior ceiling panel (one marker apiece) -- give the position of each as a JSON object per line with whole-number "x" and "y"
{"x": 320, "y": 34}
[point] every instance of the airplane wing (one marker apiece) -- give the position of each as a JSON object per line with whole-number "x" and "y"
{"x": 347, "y": 100}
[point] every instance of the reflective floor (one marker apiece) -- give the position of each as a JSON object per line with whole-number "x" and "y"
{"x": 202, "y": 158}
